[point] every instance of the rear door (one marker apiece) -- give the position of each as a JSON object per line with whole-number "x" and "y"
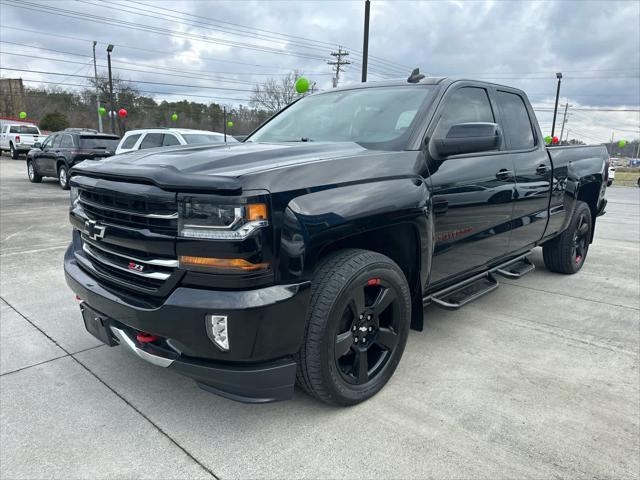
{"x": 532, "y": 168}
{"x": 472, "y": 193}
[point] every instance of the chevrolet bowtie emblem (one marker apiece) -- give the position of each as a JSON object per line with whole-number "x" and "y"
{"x": 93, "y": 230}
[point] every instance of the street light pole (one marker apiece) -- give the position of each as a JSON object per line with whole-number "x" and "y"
{"x": 555, "y": 110}
{"x": 112, "y": 110}
{"x": 365, "y": 42}
{"x": 95, "y": 72}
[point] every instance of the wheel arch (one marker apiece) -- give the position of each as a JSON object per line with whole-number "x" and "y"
{"x": 388, "y": 216}
{"x": 589, "y": 193}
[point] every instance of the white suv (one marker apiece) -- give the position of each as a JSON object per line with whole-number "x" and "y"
{"x": 164, "y": 137}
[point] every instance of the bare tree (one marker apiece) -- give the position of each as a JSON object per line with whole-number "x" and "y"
{"x": 275, "y": 93}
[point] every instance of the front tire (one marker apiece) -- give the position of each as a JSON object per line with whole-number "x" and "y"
{"x": 14, "y": 152}
{"x": 63, "y": 177}
{"x": 567, "y": 252}
{"x": 32, "y": 173}
{"x": 357, "y": 327}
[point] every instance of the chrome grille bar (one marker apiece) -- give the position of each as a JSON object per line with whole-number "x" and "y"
{"x": 167, "y": 263}
{"x": 86, "y": 248}
{"x": 171, "y": 216}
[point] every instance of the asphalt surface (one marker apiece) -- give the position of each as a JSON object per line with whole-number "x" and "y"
{"x": 539, "y": 379}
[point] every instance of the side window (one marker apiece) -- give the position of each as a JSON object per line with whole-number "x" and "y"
{"x": 55, "y": 143}
{"x": 67, "y": 141}
{"x": 467, "y": 104}
{"x": 170, "y": 140}
{"x": 151, "y": 140}
{"x": 516, "y": 124}
{"x": 130, "y": 141}
{"x": 47, "y": 142}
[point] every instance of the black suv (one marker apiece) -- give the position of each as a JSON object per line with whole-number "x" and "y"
{"x": 62, "y": 150}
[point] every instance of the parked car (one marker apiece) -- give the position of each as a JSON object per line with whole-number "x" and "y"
{"x": 62, "y": 150}
{"x": 19, "y": 138}
{"x": 164, "y": 137}
{"x": 307, "y": 252}
{"x": 611, "y": 175}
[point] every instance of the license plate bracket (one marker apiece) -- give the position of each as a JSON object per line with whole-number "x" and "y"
{"x": 97, "y": 325}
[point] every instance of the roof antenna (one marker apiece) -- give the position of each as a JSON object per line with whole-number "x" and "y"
{"x": 415, "y": 76}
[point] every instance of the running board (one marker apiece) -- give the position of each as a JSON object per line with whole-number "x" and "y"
{"x": 471, "y": 289}
{"x": 517, "y": 269}
{"x": 464, "y": 293}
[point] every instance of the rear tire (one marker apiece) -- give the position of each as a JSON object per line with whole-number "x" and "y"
{"x": 567, "y": 252}
{"x": 14, "y": 153}
{"x": 32, "y": 173}
{"x": 357, "y": 327}
{"x": 63, "y": 177}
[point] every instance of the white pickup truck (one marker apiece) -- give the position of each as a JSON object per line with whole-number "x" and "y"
{"x": 19, "y": 138}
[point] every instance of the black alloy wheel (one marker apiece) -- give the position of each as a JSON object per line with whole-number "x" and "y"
{"x": 368, "y": 331}
{"x": 357, "y": 327}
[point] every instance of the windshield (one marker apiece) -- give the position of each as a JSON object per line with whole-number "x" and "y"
{"x": 197, "y": 138}
{"x": 106, "y": 143}
{"x": 24, "y": 129}
{"x": 378, "y": 117}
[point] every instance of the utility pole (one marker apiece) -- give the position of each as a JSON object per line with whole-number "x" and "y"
{"x": 338, "y": 64}
{"x": 365, "y": 42}
{"x": 555, "y": 110}
{"x": 224, "y": 120}
{"x": 564, "y": 120}
{"x": 112, "y": 112}
{"x": 95, "y": 72}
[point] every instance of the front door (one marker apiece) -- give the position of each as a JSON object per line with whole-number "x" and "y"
{"x": 472, "y": 194}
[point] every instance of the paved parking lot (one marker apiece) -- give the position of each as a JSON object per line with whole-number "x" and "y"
{"x": 538, "y": 379}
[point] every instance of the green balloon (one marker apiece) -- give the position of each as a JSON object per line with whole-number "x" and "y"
{"x": 622, "y": 143}
{"x": 23, "y": 115}
{"x": 302, "y": 85}
{"x": 174, "y": 117}
{"x": 548, "y": 140}
{"x": 229, "y": 124}
{"x": 102, "y": 111}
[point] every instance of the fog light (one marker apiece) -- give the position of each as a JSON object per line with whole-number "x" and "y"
{"x": 217, "y": 330}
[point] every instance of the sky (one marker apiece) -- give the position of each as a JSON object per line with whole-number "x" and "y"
{"x": 216, "y": 51}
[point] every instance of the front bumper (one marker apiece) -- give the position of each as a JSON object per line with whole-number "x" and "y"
{"x": 266, "y": 327}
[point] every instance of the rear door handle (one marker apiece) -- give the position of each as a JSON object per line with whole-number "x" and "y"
{"x": 542, "y": 169}
{"x": 504, "y": 174}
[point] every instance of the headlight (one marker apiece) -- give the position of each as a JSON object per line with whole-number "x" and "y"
{"x": 74, "y": 197}
{"x": 206, "y": 218}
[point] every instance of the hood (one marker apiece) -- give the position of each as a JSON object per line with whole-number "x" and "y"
{"x": 206, "y": 167}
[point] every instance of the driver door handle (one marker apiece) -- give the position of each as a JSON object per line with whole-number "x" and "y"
{"x": 504, "y": 174}
{"x": 542, "y": 169}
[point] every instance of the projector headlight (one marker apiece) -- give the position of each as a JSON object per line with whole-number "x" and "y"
{"x": 206, "y": 218}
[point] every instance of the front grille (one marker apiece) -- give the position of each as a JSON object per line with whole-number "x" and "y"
{"x": 130, "y": 212}
{"x": 136, "y": 247}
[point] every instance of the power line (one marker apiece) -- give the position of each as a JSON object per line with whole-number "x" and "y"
{"x": 131, "y": 81}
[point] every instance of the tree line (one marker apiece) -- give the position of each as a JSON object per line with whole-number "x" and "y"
{"x": 56, "y": 109}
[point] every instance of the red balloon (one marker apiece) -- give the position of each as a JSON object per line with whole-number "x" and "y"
{"x": 555, "y": 140}
{"x": 122, "y": 112}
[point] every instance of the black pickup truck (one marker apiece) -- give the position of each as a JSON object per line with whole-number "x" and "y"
{"x": 306, "y": 253}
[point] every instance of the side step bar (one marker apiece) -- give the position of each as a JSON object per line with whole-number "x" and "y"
{"x": 471, "y": 289}
{"x": 517, "y": 269}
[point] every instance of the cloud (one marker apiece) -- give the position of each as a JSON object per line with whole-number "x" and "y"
{"x": 594, "y": 44}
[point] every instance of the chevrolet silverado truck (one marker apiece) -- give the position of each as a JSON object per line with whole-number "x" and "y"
{"x": 306, "y": 253}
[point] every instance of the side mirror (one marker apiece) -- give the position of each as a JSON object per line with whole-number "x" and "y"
{"x": 37, "y": 145}
{"x": 466, "y": 138}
